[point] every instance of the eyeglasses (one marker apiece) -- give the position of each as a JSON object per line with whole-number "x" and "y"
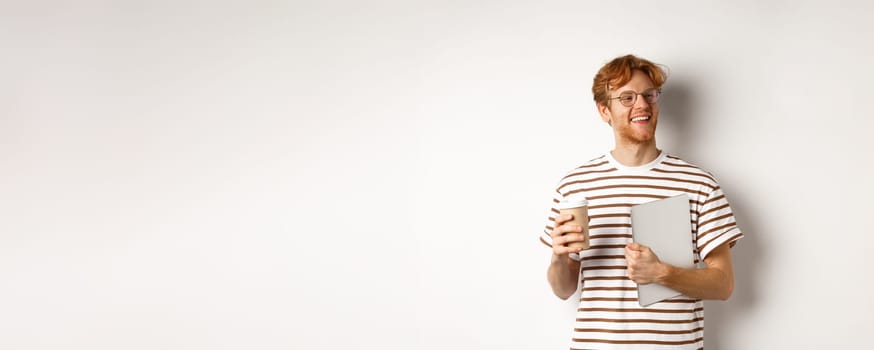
{"x": 628, "y": 98}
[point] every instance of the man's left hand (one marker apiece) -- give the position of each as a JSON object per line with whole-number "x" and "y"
{"x": 644, "y": 266}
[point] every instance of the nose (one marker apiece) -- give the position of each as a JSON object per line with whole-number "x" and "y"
{"x": 640, "y": 100}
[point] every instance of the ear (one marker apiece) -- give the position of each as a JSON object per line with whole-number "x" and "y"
{"x": 606, "y": 113}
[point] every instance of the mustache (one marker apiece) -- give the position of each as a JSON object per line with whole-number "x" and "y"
{"x": 647, "y": 110}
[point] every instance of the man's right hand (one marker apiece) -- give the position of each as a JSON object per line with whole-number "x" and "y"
{"x": 565, "y": 233}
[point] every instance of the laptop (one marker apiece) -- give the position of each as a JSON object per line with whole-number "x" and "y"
{"x": 664, "y": 226}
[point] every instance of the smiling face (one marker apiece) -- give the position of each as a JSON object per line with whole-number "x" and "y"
{"x": 635, "y": 124}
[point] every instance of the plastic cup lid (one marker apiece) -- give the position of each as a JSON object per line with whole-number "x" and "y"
{"x": 569, "y": 203}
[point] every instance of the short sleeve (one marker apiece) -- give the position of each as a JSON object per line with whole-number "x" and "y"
{"x": 546, "y": 235}
{"x": 716, "y": 224}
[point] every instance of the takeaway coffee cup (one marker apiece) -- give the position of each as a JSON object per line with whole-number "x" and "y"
{"x": 578, "y": 207}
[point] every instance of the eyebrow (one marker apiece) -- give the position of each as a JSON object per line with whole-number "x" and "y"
{"x": 629, "y": 90}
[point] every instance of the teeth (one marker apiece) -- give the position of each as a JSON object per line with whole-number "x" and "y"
{"x": 637, "y": 119}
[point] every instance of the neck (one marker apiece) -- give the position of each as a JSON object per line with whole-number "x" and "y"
{"x": 635, "y": 154}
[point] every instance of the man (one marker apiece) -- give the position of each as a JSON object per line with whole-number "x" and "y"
{"x": 627, "y": 92}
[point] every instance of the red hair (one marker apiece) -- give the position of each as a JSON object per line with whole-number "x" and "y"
{"x": 618, "y": 72}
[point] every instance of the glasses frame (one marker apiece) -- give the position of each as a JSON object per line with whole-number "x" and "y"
{"x": 634, "y": 94}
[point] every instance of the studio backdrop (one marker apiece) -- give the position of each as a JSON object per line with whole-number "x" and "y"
{"x": 375, "y": 174}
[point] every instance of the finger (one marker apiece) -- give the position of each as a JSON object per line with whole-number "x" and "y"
{"x": 557, "y": 239}
{"x": 557, "y": 232}
{"x": 565, "y": 229}
{"x": 563, "y": 250}
{"x": 561, "y": 219}
{"x": 633, "y": 246}
{"x": 650, "y": 255}
{"x": 573, "y": 229}
{"x": 574, "y": 237}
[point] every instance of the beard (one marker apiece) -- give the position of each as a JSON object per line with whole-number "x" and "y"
{"x": 635, "y": 133}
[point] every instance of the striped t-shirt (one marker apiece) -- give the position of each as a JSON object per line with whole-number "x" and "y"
{"x": 609, "y": 315}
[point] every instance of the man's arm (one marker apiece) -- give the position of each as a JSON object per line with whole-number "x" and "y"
{"x": 716, "y": 281}
{"x": 564, "y": 273}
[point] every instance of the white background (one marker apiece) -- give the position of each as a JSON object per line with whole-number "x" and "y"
{"x": 375, "y": 174}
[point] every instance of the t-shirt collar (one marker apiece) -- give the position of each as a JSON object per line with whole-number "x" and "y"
{"x": 637, "y": 169}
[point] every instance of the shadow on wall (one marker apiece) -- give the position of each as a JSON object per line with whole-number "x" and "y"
{"x": 683, "y": 122}
{"x": 678, "y": 122}
{"x": 746, "y": 256}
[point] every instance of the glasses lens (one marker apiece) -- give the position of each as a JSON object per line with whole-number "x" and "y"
{"x": 627, "y": 98}
{"x": 651, "y": 96}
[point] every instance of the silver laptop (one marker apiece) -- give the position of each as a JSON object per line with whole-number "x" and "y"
{"x": 664, "y": 226}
